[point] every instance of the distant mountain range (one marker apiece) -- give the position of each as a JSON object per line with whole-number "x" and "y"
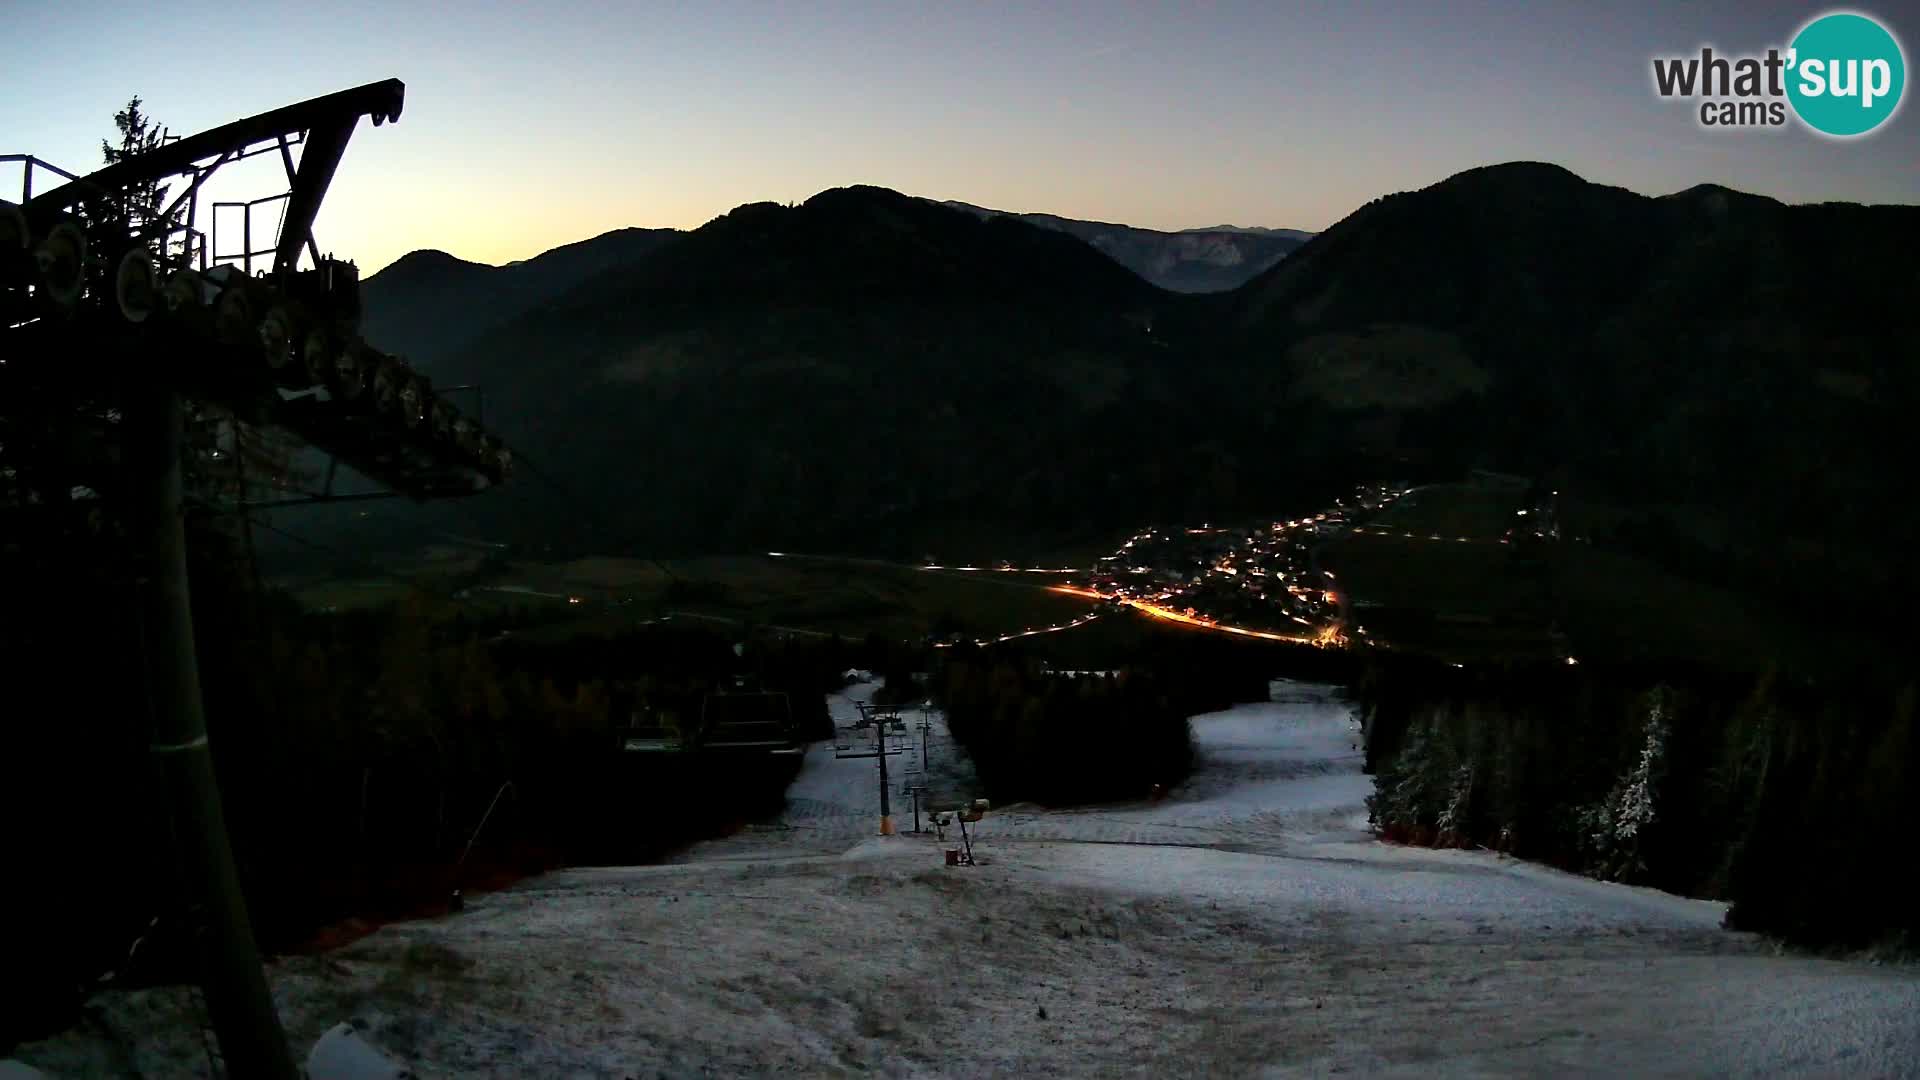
{"x": 430, "y": 304}
{"x": 1255, "y": 229}
{"x": 878, "y": 373}
{"x": 1191, "y": 260}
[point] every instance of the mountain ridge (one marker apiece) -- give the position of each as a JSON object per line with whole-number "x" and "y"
{"x": 431, "y": 303}
{"x": 1189, "y": 260}
{"x": 873, "y": 371}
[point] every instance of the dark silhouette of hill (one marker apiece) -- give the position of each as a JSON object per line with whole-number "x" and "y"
{"x": 1706, "y": 349}
{"x": 427, "y": 304}
{"x": 1301, "y": 235}
{"x": 863, "y": 371}
{"x": 873, "y": 372}
{"x": 1191, "y": 260}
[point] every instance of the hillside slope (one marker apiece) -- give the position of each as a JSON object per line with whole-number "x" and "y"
{"x": 809, "y": 374}
{"x": 428, "y": 304}
{"x": 866, "y": 371}
{"x": 877, "y": 373}
{"x": 1709, "y": 349}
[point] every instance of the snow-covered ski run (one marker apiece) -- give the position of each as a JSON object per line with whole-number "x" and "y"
{"x": 1245, "y": 925}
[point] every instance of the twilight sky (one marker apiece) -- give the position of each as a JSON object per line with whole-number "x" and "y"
{"x": 529, "y": 125}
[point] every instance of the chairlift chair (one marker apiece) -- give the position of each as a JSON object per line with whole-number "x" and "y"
{"x": 752, "y": 722}
{"x": 649, "y": 743}
{"x": 647, "y": 733}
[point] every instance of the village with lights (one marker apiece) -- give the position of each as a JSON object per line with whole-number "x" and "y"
{"x": 1253, "y": 581}
{"x": 1262, "y": 581}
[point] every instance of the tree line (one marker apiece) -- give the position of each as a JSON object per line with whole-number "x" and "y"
{"x": 1059, "y": 738}
{"x": 357, "y": 754}
{"x": 1035, "y": 736}
{"x": 1792, "y": 799}
{"x": 1040, "y": 727}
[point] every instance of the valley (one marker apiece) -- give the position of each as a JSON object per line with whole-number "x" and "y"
{"x": 749, "y": 541}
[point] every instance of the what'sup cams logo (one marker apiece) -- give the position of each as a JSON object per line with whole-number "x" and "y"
{"x": 1842, "y": 76}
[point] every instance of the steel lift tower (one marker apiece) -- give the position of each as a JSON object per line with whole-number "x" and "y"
{"x": 109, "y": 320}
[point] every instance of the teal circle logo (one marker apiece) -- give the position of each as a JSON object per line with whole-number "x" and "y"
{"x": 1845, "y": 74}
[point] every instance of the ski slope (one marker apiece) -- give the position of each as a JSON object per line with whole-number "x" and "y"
{"x": 1245, "y": 925}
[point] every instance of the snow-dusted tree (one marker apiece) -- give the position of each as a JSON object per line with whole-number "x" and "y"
{"x": 1614, "y": 826}
{"x": 1425, "y": 779}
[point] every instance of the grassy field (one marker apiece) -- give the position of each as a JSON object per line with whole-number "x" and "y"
{"x": 1483, "y": 580}
{"x": 1618, "y": 606}
{"x": 351, "y": 595}
{"x": 1590, "y": 517}
{"x": 1479, "y": 601}
{"x": 1462, "y": 602}
{"x": 1452, "y": 511}
{"x": 1467, "y": 601}
{"x": 854, "y": 599}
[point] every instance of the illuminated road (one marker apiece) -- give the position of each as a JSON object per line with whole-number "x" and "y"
{"x": 1329, "y": 637}
{"x": 1009, "y": 577}
{"x": 1081, "y": 621}
{"x": 1404, "y": 535}
{"x": 977, "y": 573}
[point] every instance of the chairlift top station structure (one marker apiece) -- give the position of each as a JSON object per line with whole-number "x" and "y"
{"x": 83, "y": 281}
{"x": 111, "y": 315}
